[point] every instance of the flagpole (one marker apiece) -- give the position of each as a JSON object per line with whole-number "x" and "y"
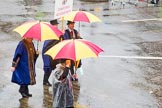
{"x": 62, "y": 24}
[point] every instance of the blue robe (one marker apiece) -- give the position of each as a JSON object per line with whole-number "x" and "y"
{"x": 46, "y": 58}
{"x": 21, "y": 75}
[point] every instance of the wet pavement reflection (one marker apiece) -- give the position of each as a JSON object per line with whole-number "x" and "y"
{"x": 24, "y": 103}
{"x": 47, "y": 98}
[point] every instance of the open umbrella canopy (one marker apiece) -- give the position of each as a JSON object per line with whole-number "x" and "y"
{"x": 74, "y": 49}
{"x": 38, "y": 30}
{"x": 81, "y": 16}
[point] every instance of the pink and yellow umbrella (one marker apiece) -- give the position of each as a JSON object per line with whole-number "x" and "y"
{"x": 82, "y": 16}
{"x": 38, "y": 30}
{"x": 74, "y": 49}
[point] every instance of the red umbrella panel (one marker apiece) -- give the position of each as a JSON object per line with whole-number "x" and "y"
{"x": 82, "y": 16}
{"x": 74, "y": 49}
{"x": 38, "y": 30}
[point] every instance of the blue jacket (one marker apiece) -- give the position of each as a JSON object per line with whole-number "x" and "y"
{"x": 48, "y": 63}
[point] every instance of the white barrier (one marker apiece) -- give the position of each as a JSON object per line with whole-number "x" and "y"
{"x": 130, "y": 57}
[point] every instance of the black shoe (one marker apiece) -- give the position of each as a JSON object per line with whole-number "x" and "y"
{"x": 29, "y": 95}
{"x": 24, "y": 95}
{"x": 47, "y": 84}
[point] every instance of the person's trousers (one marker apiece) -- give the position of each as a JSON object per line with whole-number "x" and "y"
{"x": 46, "y": 77}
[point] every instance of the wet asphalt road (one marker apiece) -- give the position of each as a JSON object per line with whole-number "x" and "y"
{"x": 106, "y": 82}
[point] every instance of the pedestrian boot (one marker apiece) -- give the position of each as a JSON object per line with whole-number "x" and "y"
{"x": 45, "y": 79}
{"x": 22, "y": 91}
{"x": 27, "y": 92}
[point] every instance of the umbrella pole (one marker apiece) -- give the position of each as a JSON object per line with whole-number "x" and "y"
{"x": 62, "y": 24}
{"x": 37, "y": 45}
{"x": 79, "y": 27}
{"x": 76, "y": 65}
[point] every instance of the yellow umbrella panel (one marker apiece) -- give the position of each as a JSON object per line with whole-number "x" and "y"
{"x": 38, "y": 30}
{"x": 82, "y": 16}
{"x": 74, "y": 49}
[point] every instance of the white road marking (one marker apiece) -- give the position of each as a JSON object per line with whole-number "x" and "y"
{"x": 130, "y": 57}
{"x": 153, "y": 19}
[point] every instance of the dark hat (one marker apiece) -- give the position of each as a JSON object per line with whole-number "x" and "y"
{"x": 54, "y": 22}
{"x": 70, "y": 22}
{"x": 62, "y": 60}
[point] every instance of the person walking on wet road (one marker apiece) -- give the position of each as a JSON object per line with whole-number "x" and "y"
{"x": 49, "y": 63}
{"x": 62, "y": 86}
{"x": 72, "y": 33}
{"x": 23, "y": 66}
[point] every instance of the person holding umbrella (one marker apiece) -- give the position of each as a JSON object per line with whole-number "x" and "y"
{"x": 23, "y": 66}
{"x": 49, "y": 63}
{"x": 72, "y": 33}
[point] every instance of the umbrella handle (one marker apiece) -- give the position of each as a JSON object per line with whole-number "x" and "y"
{"x": 37, "y": 45}
{"x": 76, "y": 65}
{"x": 79, "y": 26}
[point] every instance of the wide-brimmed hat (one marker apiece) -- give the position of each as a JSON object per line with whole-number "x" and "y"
{"x": 70, "y": 22}
{"x": 54, "y": 22}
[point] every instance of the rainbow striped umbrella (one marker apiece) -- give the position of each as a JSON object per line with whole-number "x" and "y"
{"x": 82, "y": 16}
{"x": 74, "y": 49}
{"x": 38, "y": 30}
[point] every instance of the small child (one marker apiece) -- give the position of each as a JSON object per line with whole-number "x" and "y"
{"x": 62, "y": 86}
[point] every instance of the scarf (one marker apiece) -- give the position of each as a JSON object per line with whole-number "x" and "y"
{"x": 31, "y": 52}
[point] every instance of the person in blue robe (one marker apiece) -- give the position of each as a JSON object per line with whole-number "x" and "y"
{"x": 23, "y": 66}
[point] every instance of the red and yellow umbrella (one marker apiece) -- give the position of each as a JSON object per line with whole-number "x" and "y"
{"x": 82, "y": 16}
{"x": 74, "y": 49}
{"x": 38, "y": 30}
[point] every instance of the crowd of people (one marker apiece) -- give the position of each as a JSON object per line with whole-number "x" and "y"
{"x": 64, "y": 70}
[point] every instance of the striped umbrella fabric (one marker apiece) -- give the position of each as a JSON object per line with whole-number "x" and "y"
{"x": 82, "y": 16}
{"x": 38, "y": 30}
{"x": 74, "y": 49}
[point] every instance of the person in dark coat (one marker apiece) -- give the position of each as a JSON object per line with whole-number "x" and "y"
{"x": 72, "y": 33}
{"x": 23, "y": 66}
{"x": 49, "y": 63}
